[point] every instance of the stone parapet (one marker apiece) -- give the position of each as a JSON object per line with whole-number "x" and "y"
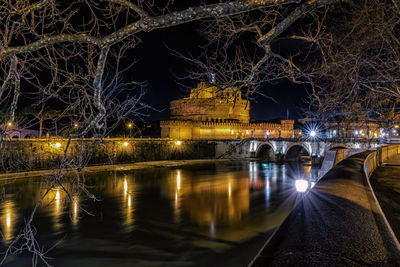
{"x": 41, "y": 154}
{"x": 338, "y": 222}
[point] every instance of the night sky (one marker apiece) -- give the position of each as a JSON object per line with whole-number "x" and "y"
{"x": 156, "y": 66}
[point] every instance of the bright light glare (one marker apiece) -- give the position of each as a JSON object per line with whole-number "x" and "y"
{"x": 313, "y": 133}
{"x": 178, "y": 180}
{"x": 178, "y": 143}
{"x": 125, "y": 143}
{"x": 129, "y": 200}
{"x": 125, "y": 187}
{"x": 8, "y": 220}
{"x": 57, "y": 145}
{"x": 301, "y": 185}
{"x": 9, "y": 123}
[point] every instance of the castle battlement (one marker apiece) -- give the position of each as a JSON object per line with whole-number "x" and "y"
{"x": 212, "y": 113}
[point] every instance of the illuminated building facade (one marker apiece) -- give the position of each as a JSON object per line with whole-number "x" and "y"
{"x": 212, "y": 113}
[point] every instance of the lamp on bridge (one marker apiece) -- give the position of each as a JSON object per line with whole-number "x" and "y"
{"x": 313, "y": 133}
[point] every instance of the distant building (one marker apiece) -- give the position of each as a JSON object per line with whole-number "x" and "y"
{"x": 13, "y": 131}
{"x": 212, "y": 113}
{"x": 340, "y": 128}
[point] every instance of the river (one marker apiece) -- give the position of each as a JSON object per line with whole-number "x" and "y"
{"x": 214, "y": 214}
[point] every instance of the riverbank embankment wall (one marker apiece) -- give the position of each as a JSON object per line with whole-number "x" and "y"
{"x": 338, "y": 222}
{"x": 38, "y": 154}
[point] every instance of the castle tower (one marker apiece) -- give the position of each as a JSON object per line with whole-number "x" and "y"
{"x": 212, "y": 113}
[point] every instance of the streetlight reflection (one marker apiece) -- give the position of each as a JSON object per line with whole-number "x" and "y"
{"x": 8, "y": 218}
{"x": 125, "y": 187}
{"x": 128, "y": 204}
{"x": 75, "y": 210}
{"x": 177, "y": 203}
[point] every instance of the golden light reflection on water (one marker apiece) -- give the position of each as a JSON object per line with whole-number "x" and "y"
{"x": 75, "y": 210}
{"x": 307, "y": 170}
{"x": 55, "y": 196}
{"x": 218, "y": 202}
{"x": 128, "y": 202}
{"x": 209, "y": 201}
{"x": 177, "y": 203}
{"x": 125, "y": 186}
{"x": 8, "y": 219}
{"x": 178, "y": 180}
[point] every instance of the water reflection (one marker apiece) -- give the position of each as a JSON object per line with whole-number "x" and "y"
{"x": 208, "y": 201}
{"x": 53, "y": 200}
{"x": 75, "y": 210}
{"x": 253, "y": 171}
{"x": 8, "y": 219}
{"x": 128, "y": 203}
{"x": 233, "y": 201}
{"x": 177, "y": 203}
{"x": 267, "y": 191}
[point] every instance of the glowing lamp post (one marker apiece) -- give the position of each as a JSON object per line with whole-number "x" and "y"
{"x": 178, "y": 149}
{"x": 56, "y": 145}
{"x": 130, "y": 125}
{"x": 313, "y": 133}
{"x": 301, "y": 185}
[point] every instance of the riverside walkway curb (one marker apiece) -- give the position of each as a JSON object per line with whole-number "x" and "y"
{"x": 338, "y": 223}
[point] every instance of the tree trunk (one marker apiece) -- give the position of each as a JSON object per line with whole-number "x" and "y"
{"x": 40, "y": 127}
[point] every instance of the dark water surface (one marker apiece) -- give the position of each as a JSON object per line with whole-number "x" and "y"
{"x": 216, "y": 214}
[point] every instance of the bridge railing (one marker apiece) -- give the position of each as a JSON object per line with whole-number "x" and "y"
{"x": 331, "y": 140}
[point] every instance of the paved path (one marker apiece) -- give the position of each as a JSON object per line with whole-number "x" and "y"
{"x": 336, "y": 224}
{"x": 386, "y": 184}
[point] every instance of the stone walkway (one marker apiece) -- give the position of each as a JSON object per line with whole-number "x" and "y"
{"x": 336, "y": 224}
{"x": 386, "y": 184}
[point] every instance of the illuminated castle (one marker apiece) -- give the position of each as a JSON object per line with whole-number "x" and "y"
{"x": 212, "y": 113}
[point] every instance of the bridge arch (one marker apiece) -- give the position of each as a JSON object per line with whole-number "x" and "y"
{"x": 266, "y": 152}
{"x": 295, "y": 152}
{"x": 338, "y": 146}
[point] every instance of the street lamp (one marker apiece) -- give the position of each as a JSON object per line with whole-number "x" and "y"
{"x": 130, "y": 125}
{"x": 313, "y": 133}
{"x": 301, "y": 185}
{"x": 56, "y": 145}
{"x": 9, "y": 123}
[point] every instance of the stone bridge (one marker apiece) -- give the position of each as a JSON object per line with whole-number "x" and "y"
{"x": 298, "y": 149}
